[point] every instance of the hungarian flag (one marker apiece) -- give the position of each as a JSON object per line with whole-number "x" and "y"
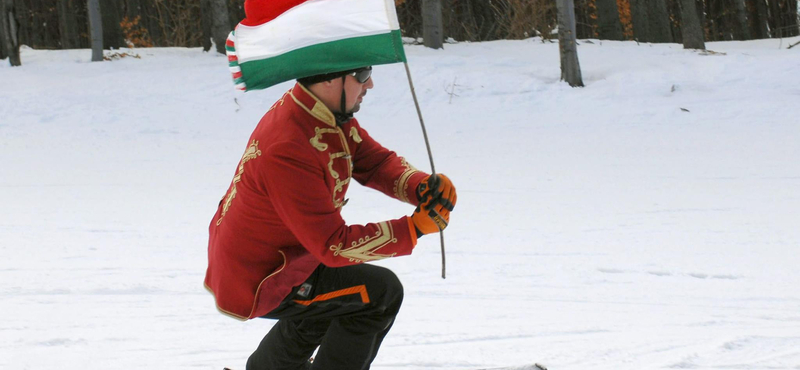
{"x": 281, "y": 40}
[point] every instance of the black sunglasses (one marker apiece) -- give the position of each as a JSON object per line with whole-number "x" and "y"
{"x": 362, "y": 75}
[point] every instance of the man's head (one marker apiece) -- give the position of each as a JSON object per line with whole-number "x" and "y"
{"x": 342, "y": 92}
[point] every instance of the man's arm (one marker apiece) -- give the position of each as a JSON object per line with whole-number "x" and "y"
{"x": 382, "y": 169}
{"x": 296, "y": 187}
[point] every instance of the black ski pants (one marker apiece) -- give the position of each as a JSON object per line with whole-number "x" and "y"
{"x": 346, "y": 311}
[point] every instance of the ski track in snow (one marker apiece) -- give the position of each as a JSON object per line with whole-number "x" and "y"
{"x": 597, "y": 228}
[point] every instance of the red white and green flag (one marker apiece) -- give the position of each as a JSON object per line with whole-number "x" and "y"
{"x": 281, "y": 40}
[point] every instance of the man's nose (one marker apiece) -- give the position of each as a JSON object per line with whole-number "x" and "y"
{"x": 368, "y": 85}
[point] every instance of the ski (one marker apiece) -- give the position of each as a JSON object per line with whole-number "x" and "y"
{"x": 535, "y": 366}
{"x": 528, "y": 367}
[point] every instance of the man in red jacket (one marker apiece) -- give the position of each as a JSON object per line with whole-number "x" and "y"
{"x": 279, "y": 248}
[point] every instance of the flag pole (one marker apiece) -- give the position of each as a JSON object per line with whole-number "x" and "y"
{"x": 430, "y": 154}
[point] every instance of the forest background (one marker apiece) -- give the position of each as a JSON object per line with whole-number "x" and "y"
{"x": 64, "y": 24}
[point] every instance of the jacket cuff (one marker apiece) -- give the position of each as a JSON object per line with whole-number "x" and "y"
{"x": 413, "y": 183}
{"x": 412, "y": 230}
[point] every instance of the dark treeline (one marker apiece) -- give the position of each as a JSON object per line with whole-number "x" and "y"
{"x": 63, "y": 24}
{"x": 658, "y": 20}
{"x": 56, "y": 24}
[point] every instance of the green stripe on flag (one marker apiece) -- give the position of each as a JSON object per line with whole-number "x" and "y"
{"x": 324, "y": 58}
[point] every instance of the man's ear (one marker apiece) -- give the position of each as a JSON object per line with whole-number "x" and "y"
{"x": 328, "y": 85}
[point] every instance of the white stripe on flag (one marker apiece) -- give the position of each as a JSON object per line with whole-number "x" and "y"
{"x": 391, "y": 13}
{"x": 315, "y": 22}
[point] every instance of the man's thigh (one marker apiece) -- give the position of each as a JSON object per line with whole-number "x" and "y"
{"x": 341, "y": 292}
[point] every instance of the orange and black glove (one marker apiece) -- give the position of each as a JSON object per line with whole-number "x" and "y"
{"x": 437, "y": 199}
{"x": 434, "y": 186}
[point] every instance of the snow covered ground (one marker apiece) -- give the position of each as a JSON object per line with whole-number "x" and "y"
{"x": 597, "y": 228}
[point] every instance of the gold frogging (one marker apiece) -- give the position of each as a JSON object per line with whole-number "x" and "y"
{"x": 338, "y": 202}
{"x": 252, "y": 152}
{"x": 366, "y": 248}
{"x": 401, "y": 184}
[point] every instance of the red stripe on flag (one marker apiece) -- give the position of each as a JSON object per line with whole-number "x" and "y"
{"x": 262, "y": 11}
{"x": 237, "y": 75}
{"x": 232, "y": 58}
{"x": 229, "y": 43}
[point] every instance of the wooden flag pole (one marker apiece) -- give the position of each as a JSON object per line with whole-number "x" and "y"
{"x": 430, "y": 154}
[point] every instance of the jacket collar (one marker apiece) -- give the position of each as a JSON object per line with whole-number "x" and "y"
{"x": 311, "y": 104}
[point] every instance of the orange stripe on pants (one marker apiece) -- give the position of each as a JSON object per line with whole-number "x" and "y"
{"x": 360, "y": 289}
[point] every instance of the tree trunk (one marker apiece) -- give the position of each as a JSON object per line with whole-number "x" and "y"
{"x": 758, "y": 13}
{"x": 658, "y": 17}
{"x": 220, "y": 24}
{"x": 641, "y": 31}
{"x": 9, "y": 31}
{"x": 3, "y": 41}
{"x": 742, "y": 28}
{"x": 432, "y": 29}
{"x": 609, "y": 26}
{"x": 711, "y": 23}
{"x": 775, "y": 21}
{"x": 205, "y": 8}
{"x": 674, "y": 13}
{"x": 22, "y": 11}
{"x": 96, "y": 29}
{"x": 727, "y": 23}
{"x": 68, "y": 24}
{"x": 691, "y": 28}
{"x": 570, "y": 67}
{"x": 701, "y": 15}
{"x": 111, "y": 18}
{"x": 792, "y": 21}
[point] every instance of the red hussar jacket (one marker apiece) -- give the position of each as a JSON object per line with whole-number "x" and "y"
{"x": 281, "y": 216}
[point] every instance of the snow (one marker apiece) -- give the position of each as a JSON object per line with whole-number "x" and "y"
{"x": 596, "y": 228}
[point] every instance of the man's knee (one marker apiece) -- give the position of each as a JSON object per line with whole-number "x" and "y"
{"x": 391, "y": 286}
{"x": 395, "y": 286}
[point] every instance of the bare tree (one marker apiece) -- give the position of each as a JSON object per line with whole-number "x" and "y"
{"x": 792, "y": 19}
{"x": 701, "y": 14}
{"x": 206, "y": 21}
{"x": 68, "y": 24}
{"x": 3, "y": 31}
{"x": 9, "y": 32}
{"x": 691, "y": 28}
{"x": 658, "y": 21}
{"x": 432, "y": 28}
{"x": 609, "y": 26}
{"x": 641, "y": 31}
{"x": 567, "y": 45}
{"x": 216, "y": 24}
{"x": 96, "y": 30}
{"x": 742, "y": 27}
{"x": 758, "y": 24}
{"x": 775, "y": 23}
{"x": 27, "y": 19}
